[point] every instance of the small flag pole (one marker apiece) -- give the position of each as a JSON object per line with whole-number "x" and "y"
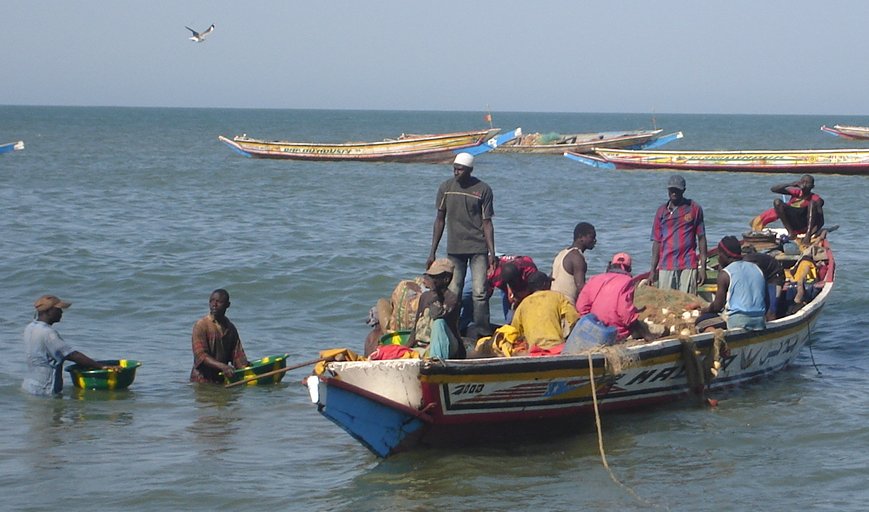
{"x": 489, "y": 116}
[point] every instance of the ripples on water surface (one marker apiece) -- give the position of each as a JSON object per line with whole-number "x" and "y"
{"x": 135, "y": 215}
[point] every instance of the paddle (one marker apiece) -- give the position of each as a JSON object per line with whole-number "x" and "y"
{"x": 275, "y": 372}
{"x": 334, "y": 354}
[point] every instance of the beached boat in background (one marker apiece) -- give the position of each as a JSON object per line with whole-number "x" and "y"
{"x": 405, "y": 148}
{"x": 818, "y": 161}
{"x": 395, "y": 405}
{"x": 12, "y": 146}
{"x": 848, "y": 132}
{"x": 555, "y": 143}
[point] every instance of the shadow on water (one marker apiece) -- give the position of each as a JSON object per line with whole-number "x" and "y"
{"x": 217, "y": 417}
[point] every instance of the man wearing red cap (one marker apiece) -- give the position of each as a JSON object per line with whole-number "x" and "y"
{"x": 610, "y": 297}
{"x": 46, "y": 350}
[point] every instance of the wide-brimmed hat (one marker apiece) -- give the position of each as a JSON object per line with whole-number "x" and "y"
{"x": 47, "y": 302}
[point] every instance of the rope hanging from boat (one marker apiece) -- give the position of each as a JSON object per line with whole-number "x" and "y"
{"x": 600, "y": 437}
{"x": 809, "y": 343}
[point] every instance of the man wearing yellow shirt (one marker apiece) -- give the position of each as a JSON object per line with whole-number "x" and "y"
{"x": 544, "y": 317}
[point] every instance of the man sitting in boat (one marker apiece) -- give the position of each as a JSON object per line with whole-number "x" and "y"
{"x": 773, "y": 274}
{"x": 610, "y": 298}
{"x": 802, "y": 214}
{"x": 544, "y": 317}
{"x": 741, "y": 292}
{"x": 803, "y": 275}
{"x": 436, "y": 327}
{"x": 510, "y": 275}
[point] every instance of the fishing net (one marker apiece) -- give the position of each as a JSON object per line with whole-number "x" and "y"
{"x": 667, "y": 312}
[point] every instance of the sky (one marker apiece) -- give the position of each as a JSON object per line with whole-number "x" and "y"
{"x": 631, "y": 56}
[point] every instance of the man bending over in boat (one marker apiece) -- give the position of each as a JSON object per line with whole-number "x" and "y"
{"x": 803, "y": 213}
{"x": 544, "y": 317}
{"x": 610, "y": 298}
{"x": 741, "y": 292}
{"x": 436, "y": 327}
{"x": 216, "y": 343}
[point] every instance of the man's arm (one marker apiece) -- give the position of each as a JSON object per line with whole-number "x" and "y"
{"x": 783, "y": 188}
{"x": 489, "y": 234}
{"x": 656, "y": 257}
{"x": 83, "y": 360}
{"x": 437, "y": 233}
{"x": 574, "y": 263}
{"x": 701, "y": 249}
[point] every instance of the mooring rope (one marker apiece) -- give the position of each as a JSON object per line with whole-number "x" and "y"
{"x": 809, "y": 343}
{"x": 600, "y": 438}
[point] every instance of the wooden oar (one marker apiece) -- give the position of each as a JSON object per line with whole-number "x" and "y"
{"x": 275, "y": 372}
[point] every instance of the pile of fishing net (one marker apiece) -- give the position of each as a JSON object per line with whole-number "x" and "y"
{"x": 668, "y": 312}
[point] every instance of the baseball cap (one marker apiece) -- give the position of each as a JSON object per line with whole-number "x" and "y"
{"x": 441, "y": 266}
{"x": 47, "y": 302}
{"x": 676, "y": 181}
{"x": 621, "y": 258}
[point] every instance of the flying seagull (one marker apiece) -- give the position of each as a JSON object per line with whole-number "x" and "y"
{"x": 197, "y": 37}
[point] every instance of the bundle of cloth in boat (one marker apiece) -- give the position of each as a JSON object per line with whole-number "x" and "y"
{"x": 394, "y": 314}
{"x": 504, "y": 342}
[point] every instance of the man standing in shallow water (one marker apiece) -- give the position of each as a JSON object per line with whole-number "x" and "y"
{"x": 465, "y": 207}
{"x": 46, "y": 350}
{"x": 216, "y": 343}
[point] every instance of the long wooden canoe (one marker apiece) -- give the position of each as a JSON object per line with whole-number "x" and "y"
{"x": 555, "y": 143}
{"x": 405, "y": 148}
{"x": 396, "y": 405}
{"x": 848, "y": 132}
{"x": 820, "y": 161}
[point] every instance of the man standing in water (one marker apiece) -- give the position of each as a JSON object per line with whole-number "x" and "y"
{"x": 216, "y": 343}
{"x": 678, "y": 234}
{"x": 569, "y": 267}
{"x": 46, "y": 350}
{"x": 465, "y": 207}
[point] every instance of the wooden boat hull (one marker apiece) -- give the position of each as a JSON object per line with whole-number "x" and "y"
{"x": 12, "y": 146}
{"x": 394, "y": 406}
{"x": 828, "y": 161}
{"x": 413, "y": 148}
{"x": 581, "y": 142}
{"x": 848, "y": 132}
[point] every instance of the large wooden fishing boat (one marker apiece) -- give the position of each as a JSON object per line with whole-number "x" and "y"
{"x": 405, "y": 148}
{"x": 848, "y": 132}
{"x": 555, "y": 143}
{"x": 12, "y": 146}
{"x": 818, "y": 161}
{"x": 396, "y": 405}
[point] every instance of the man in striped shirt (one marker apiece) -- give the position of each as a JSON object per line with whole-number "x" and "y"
{"x": 678, "y": 241}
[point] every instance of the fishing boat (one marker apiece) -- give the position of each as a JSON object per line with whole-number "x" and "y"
{"x": 12, "y": 146}
{"x": 819, "y": 161}
{"x": 848, "y": 132}
{"x": 555, "y": 143}
{"x": 397, "y": 405}
{"x": 405, "y": 148}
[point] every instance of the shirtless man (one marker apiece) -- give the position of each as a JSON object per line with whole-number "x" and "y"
{"x": 569, "y": 267}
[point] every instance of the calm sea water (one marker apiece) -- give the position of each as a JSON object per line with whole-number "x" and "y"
{"x": 135, "y": 215}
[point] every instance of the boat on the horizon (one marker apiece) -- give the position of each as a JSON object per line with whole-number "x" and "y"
{"x": 12, "y": 146}
{"x": 848, "y": 132}
{"x": 435, "y": 148}
{"x": 397, "y": 405}
{"x": 800, "y": 161}
{"x": 556, "y": 143}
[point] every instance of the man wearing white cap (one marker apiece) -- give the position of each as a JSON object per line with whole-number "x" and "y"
{"x": 46, "y": 351}
{"x": 465, "y": 207}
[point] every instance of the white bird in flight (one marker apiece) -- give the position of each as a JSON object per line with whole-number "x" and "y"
{"x": 200, "y": 37}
